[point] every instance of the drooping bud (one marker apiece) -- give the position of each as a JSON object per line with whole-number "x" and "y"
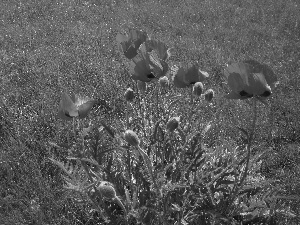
{"x": 131, "y": 138}
{"x": 209, "y": 94}
{"x": 173, "y": 123}
{"x": 198, "y": 88}
{"x": 164, "y": 82}
{"x": 129, "y": 95}
{"x": 107, "y": 190}
{"x": 142, "y": 86}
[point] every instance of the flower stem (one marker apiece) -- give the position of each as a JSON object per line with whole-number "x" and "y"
{"x": 250, "y": 140}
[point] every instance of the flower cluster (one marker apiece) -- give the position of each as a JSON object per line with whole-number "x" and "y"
{"x": 149, "y": 60}
{"x": 249, "y": 79}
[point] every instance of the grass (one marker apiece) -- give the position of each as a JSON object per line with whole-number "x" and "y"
{"x": 48, "y": 47}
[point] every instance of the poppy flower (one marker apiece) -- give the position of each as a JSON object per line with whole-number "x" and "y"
{"x": 145, "y": 67}
{"x": 131, "y": 43}
{"x": 249, "y": 79}
{"x": 188, "y": 74}
{"x": 159, "y": 47}
{"x": 71, "y": 107}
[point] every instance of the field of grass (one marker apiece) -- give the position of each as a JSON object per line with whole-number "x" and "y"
{"x": 51, "y": 47}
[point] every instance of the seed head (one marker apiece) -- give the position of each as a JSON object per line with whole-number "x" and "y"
{"x": 209, "y": 94}
{"x": 198, "y": 88}
{"x": 132, "y": 138}
{"x": 129, "y": 95}
{"x": 164, "y": 82}
{"x": 107, "y": 190}
{"x": 173, "y": 123}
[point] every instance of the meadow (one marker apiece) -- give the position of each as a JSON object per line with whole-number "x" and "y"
{"x": 225, "y": 162}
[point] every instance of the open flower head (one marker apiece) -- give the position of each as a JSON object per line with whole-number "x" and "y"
{"x": 248, "y": 79}
{"x": 74, "y": 106}
{"x": 188, "y": 74}
{"x": 159, "y": 47}
{"x": 130, "y": 43}
{"x": 146, "y": 66}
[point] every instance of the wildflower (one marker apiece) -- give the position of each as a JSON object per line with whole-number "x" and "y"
{"x": 173, "y": 123}
{"x": 164, "y": 81}
{"x": 209, "y": 94}
{"x": 129, "y": 95}
{"x": 145, "y": 66}
{"x": 142, "y": 86}
{"x": 140, "y": 67}
{"x": 188, "y": 74}
{"x": 131, "y": 138}
{"x": 131, "y": 43}
{"x": 249, "y": 79}
{"x": 159, "y": 47}
{"x": 71, "y": 107}
{"x": 198, "y": 88}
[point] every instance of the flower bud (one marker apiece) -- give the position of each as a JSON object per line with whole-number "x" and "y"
{"x": 198, "y": 88}
{"x": 106, "y": 190}
{"x": 209, "y": 94}
{"x": 173, "y": 123}
{"x": 131, "y": 138}
{"x": 129, "y": 95}
{"x": 164, "y": 82}
{"x": 142, "y": 86}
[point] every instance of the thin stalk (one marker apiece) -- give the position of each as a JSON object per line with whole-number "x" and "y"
{"x": 250, "y": 141}
{"x": 129, "y": 168}
{"x": 141, "y": 111}
{"x": 126, "y": 115}
{"x": 74, "y": 131}
{"x": 190, "y": 109}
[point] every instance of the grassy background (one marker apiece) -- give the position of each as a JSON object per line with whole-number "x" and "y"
{"x": 47, "y": 47}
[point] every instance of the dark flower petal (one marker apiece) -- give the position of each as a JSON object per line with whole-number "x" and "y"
{"x": 68, "y": 115}
{"x": 245, "y": 94}
{"x": 131, "y": 43}
{"x": 151, "y": 75}
{"x": 266, "y": 94}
